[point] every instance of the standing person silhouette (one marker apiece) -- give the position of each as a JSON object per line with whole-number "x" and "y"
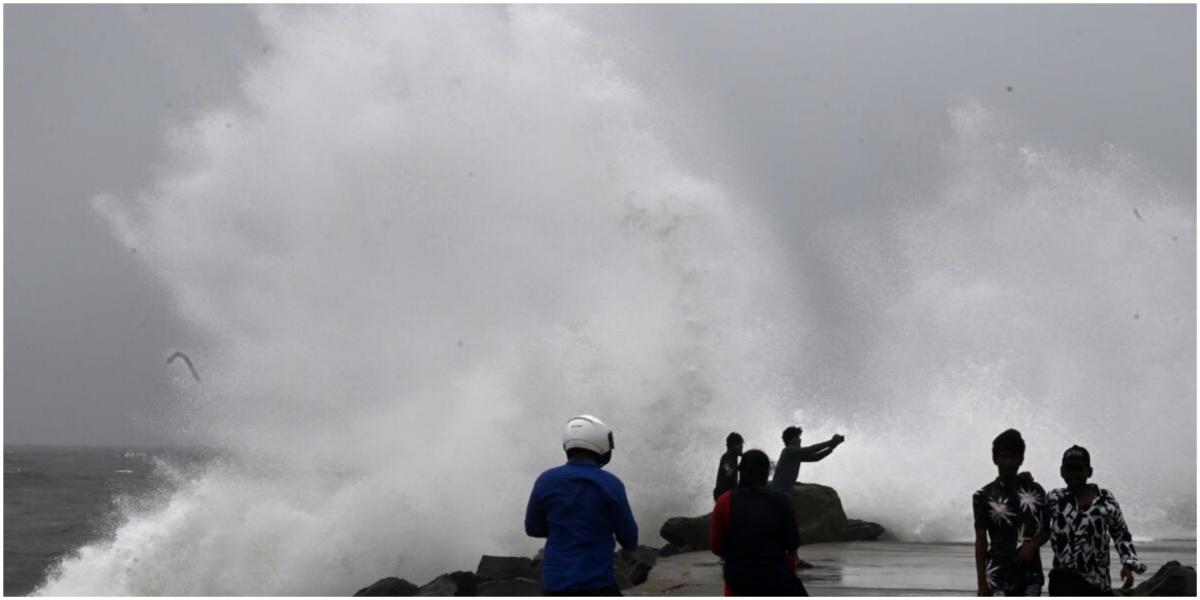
{"x": 1010, "y": 512}
{"x": 754, "y": 530}
{"x": 580, "y": 509}
{"x": 727, "y": 467}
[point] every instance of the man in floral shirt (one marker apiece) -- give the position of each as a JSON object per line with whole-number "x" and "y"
{"x": 1082, "y": 517}
{"x": 1009, "y": 513}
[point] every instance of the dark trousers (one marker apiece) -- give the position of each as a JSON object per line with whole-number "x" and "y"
{"x": 1069, "y": 583}
{"x": 611, "y": 590}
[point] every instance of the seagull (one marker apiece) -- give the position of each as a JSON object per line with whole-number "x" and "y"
{"x": 187, "y": 360}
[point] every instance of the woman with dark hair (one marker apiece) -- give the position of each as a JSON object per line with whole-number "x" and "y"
{"x": 754, "y": 530}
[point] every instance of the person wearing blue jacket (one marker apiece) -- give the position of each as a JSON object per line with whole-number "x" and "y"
{"x": 579, "y": 509}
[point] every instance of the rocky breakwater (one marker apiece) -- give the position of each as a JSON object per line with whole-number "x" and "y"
{"x": 1172, "y": 579}
{"x": 508, "y": 576}
{"x": 819, "y": 518}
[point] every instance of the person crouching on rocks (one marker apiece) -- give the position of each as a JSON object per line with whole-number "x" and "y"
{"x": 579, "y": 508}
{"x": 754, "y": 530}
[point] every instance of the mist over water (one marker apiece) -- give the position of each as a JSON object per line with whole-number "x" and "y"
{"x": 425, "y": 237}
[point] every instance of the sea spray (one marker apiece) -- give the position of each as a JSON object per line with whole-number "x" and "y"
{"x": 1024, "y": 291}
{"x": 424, "y": 237}
{"x": 421, "y": 240}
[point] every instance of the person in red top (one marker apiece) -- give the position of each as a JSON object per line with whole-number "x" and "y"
{"x": 754, "y": 529}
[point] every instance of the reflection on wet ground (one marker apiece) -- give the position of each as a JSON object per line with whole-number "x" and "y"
{"x": 876, "y": 569}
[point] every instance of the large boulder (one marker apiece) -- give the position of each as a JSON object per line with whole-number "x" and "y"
{"x": 862, "y": 531}
{"x": 687, "y": 531}
{"x": 1172, "y": 579}
{"x": 632, "y": 568}
{"x": 504, "y": 568}
{"x": 819, "y": 514}
{"x": 389, "y": 586}
{"x": 458, "y": 583}
{"x": 442, "y": 585}
{"x": 819, "y": 518}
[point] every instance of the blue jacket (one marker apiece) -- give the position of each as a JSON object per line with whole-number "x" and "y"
{"x": 578, "y": 507}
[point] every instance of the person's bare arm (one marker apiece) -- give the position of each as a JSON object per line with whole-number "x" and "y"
{"x": 981, "y": 562}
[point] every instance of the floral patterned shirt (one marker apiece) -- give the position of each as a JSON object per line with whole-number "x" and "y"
{"x": 1080, "y": 537}
{"x": 1010, "y": 517}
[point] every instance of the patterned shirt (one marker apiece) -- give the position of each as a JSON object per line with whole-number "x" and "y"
{"x": 1010, "y": 517}
{"x": 1080, "y": 537}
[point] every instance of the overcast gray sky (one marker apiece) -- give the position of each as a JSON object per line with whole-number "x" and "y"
{"x": 847, "y": 104}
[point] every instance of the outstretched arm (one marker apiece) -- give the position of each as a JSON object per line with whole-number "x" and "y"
{"x": 1124, "y": 543}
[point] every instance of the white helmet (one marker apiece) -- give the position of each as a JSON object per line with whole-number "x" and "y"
{"x": 589, "y": 433}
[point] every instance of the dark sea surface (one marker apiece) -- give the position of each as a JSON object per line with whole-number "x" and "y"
{"x": 56, "y": 499}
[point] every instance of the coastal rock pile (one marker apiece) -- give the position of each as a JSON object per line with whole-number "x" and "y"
{"x": 819, "y": 518}
{"x": 389, "y": 586}
{"x": 1172, "y": 579}
{"x": 509, "y": 576}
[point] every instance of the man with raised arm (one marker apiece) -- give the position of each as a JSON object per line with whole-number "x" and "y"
{"x": 787, "y": 469}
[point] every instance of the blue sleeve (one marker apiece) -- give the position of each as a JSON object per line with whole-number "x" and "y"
{"x": 626, "y": 527}
{"x": 535, "y": 517}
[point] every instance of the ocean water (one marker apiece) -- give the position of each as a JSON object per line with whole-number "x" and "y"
{"x": 421, "y": 238}
{"x": 58, "y": 499}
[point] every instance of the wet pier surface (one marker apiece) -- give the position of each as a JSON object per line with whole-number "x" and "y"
{"x": 878, "y": 569}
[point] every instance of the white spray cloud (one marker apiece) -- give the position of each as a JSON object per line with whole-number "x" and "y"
{"x": 425, "y": 238}
{"x": 1027, "y": 293}
{"x": 428, "y": 235}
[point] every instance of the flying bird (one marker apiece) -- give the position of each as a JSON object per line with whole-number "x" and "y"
{"x": 186, "y": 360}
{"x": 1137, "y": 214}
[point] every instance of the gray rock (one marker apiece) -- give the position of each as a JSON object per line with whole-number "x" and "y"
{"x": 857, "y": 530}
{"x": 443, "y": 585}
{"x": 819, "y": 514}
{"x": 458, "y": 583}
{"x": 687, "y": 531}
{"x": 633, "y": 568}
{"x": 503, "y": 568}
{"x": 819, "y": 518}
{"x": 1172, "y": 579}
{"x": 389, "y": 586}
{"x": 512, "y": 587}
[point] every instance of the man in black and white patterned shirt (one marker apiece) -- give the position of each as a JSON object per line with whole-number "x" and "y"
{"x": 1082, "y": 517}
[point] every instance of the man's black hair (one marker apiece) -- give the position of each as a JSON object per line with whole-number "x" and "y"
{"x": 1009, "y": 440}
{"x": 733, "y": 439}
{"x": 791, "y": 433}
{"x": 754, "y": 468}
